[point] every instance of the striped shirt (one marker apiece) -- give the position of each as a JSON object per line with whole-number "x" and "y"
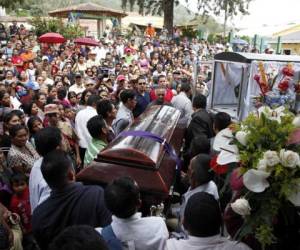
{"x": 93, "y": 150}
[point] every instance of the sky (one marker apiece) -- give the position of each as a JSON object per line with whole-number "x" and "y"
{"x": 265, "y": 13}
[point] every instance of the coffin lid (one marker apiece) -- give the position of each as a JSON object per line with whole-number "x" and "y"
{"x": 143, "y": 152}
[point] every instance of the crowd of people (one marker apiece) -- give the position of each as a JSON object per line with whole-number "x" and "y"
{"x": 60, "y": 105}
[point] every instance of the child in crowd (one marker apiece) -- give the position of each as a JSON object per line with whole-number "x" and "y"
{"x": 19, "y": 203}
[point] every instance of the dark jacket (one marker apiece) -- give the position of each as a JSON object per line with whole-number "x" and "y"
{"x": 76, "y": 204}
{"x": 201, "y": 123}
{"x": 142, "y": 103}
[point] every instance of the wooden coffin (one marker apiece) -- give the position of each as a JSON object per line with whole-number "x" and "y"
{"x": 143, "y": 159}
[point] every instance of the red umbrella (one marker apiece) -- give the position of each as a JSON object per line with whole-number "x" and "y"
{"x": 86, "y": 41}
{"x": 52, "y": 38}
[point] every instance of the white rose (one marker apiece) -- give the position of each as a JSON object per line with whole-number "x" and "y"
{"x": 289, "y": 158}
{"x": 296, "y": 121}
{"x": 241, "y": 136}
{"x": 271, "y": 158}
{"x": 262, "y": 165}
{"x": 241, "y": 206}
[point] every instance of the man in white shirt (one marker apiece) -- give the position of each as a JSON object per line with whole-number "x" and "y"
{"x": 46, "y": 140}
{"x": 92, "y": 59}
{"x": 124, "y": 116}
{"x": 101, "y": 52}
{"x": 200, "y": 178}
{"x": 159, "y": 71}
{"x": 120, "y": 47}
{"x": 82, "y": 117}
{"x": 183, "y": 103}
{"x": 202, "y": 220}
{"x": 47, "y": 80}
{"x": 122, "y": 198}
{"x": 78, "y": 86}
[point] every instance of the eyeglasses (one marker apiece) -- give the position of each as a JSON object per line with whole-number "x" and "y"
{"x": 142, "y": 83}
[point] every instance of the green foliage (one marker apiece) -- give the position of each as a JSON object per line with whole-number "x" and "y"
{"x": 208, "y": 24}
{"x": 22, "y": 13}
{"x": 154, "y": 7}
{"x": 232, "y": 7}
{"x": 42, "y": 26}
{"x": 9, "y": 3}
{"x": 27, "y": 8}
{"x": 246, "y": 38}
{"x": 189, "y": 32}
{"x": 264, "y": 233}
{"x": 72, "y": 31}
{"x": 215, "y": 38}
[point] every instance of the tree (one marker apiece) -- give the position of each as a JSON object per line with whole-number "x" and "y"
{"x": 155, "y": 7}
{"x": 9, "y": 3}
{"x": 229, "y": 8}
{"x": 42, "y": 26}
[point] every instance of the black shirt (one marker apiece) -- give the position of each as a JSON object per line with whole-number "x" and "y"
{"x": 76, "y": 204}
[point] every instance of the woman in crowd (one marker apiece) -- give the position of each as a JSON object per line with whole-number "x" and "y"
{"x": 23, "y": 78}
{"x": 143, "y": 63}
{"x": 5, "y": 101}
{"x": 30, "y": 109}
{"x": 84, "y": 97}
{"x": 34, "y": 124}
{"x": 21, "y": 155}
{"x": 72, "y": 98}
{"x": 52, "y": 94}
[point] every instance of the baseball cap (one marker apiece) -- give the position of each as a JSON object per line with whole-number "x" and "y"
{"x": 45, "y": 58}
{"x": 120, "y": 78}
{"x": 21, "y": 91}
{"x": 77, "y": 74}
{"x": 32, "y": 85}
{"x": 51, "y": 109}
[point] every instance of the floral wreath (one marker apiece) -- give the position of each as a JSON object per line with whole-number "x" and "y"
{"x": 267, "y": 150}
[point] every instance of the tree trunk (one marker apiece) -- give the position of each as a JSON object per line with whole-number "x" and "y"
{"x": 225, "y": 18}
{"x": 168, "y": 9}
